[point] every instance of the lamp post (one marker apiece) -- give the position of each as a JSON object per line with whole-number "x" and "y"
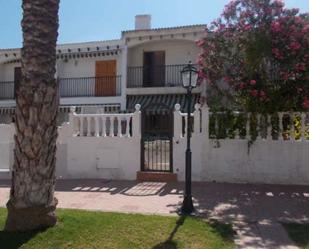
{"x": 189, "y": 80}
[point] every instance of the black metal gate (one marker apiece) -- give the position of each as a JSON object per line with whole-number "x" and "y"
{"x": 157, "y": 139}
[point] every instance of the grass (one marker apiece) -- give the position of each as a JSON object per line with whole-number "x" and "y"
{"x": 299, "y": 233}
{"x": 83, "y": 230}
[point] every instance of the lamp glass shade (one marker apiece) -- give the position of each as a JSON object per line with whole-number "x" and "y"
{"x": 186, "y": 79}
{"x": 189, "y": 77}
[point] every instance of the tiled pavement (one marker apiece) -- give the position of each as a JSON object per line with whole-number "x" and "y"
{"x": 255, "y": 210}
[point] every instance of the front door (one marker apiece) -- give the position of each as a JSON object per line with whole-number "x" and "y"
{"x": 157, "y": 140}
{"x": 105, "y": 84}
{"x": 154, "y": 69}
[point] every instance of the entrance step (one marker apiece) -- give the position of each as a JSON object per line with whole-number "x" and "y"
{"x": 143, "y": 176}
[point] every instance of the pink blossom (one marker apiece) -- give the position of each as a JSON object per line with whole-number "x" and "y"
{"x": 200, "y": 43}
{"x": 242, "y": 85}
{"x": 252, "y": 82}
{"x": 254, "y": 93}
{"x": 276, "y": 52}
{"x": 306, "y": 104}
{"x": 306, "y": 28}
{"x": 202, "y": 74}
{"x": 294, "y": 46}
{"x": 247, "y": 27}
{"x": 276, "y": 27}
{"x": 227, "y": 79}
{"x": 298, "y": 20}
{"x": 300, "y": 67}
{"x": 200, "y": 61}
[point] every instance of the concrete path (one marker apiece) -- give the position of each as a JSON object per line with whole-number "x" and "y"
{"x": 254, "y": 210}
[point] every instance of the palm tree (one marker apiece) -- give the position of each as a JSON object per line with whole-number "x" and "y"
{"x": 32, "y": 204}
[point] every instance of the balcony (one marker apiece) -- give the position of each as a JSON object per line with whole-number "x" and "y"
{"x": 7, "y": 90}
{"x": 155, "y": 76}
{"x": 109, "y": 86}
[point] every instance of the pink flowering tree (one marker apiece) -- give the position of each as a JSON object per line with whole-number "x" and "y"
{"x": 257, "y": 55}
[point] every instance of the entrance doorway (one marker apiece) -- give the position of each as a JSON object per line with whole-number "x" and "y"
{"x": 105, "y": 72}
{"x": 157, "y": 139}
{"x": 154, "y": 69}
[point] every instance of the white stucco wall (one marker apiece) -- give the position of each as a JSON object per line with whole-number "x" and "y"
{"x": 7, "y": 71}
{"x": 229, "y": 160}
{"x": 83, "y": 67}
{"x": 176, "y": 52}
{"x": 109, "y": 158}
{"x": 6, "y": 149}
{"x": 73, "y": 68}
{"x": 272, "y": 162}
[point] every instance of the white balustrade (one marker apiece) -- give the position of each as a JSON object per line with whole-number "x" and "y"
{"x": 88, "y": 125}
{"x": 179, "y": 117}
{"x": 129, "y": 124}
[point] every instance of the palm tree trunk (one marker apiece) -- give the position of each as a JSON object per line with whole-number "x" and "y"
{"x": 32, "y": 204}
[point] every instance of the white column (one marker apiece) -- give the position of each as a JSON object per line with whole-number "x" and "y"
{"x": 103, "y": 126}
{"x": 124, "y": 76}
{"x": 112, "y": 124}
{"x": 88, "y": 126}
{"x": 81, "y": 127}
{"x": 119, "y": 133}
{"x": 197, "y": 119}
{"x": 136, "y": 122}
{"x": 177, "y": 122}
{"x": 97, "y": 127}
{"x": 127, "y": 126}
{"x": 72, "y": 121}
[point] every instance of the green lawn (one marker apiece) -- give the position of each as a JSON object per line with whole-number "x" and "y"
{"x": 83, "y": 230}
{"x": 299, "y": 233}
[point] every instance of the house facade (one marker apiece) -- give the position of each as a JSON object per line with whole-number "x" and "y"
{"x": 111, "y": 76}
{"x": 142, "y": 67}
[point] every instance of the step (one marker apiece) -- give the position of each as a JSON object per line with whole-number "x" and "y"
{"x": 143, "y": 176}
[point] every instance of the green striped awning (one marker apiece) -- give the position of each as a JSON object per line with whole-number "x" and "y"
{"x": 160, "y": 102}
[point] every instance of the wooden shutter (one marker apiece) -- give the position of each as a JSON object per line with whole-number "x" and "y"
{"x": 106, "y": 78}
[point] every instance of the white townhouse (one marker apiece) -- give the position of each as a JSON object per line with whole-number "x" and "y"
{"x": 143, "y": 67}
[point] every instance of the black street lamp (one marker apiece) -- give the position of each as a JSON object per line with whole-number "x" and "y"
{"x": 189, "y": 80}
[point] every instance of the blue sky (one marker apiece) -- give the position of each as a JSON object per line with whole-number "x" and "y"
{"x": 90, "y": 20}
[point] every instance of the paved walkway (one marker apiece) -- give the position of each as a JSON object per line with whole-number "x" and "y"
{"x": 255, "y": 210}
